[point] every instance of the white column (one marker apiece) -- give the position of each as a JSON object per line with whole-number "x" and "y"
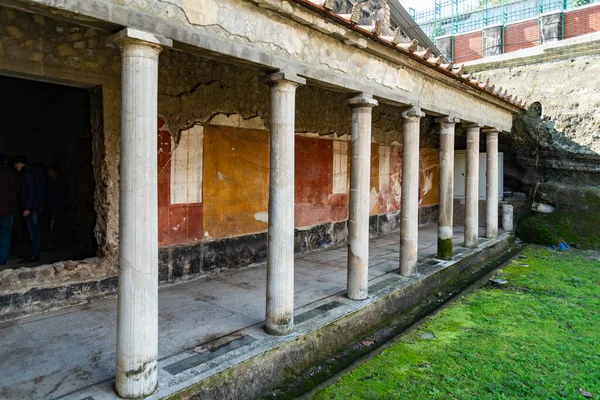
{"x": 137, "y": 316}
{"x": 360, "y": 173}
{"x": 472, "y": 187}
{"x": 507, "y": 217}
{"x": 409, "y": 221}
{"x": 446, "y": 193}
{"x": 491, "y": 186}
{"x": 280, "y": 245}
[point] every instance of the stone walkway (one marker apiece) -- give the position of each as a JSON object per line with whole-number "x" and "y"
{"x": 71, "y": 353}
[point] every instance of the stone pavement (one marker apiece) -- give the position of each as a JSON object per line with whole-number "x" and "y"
{"x": 70, "y": 353}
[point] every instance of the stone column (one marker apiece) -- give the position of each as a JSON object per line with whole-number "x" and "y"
{"x": 472, "y": 186}
{"x": 137, "y": 316}
{"x": 360, "y": 173}
{"x": 409, "y": 221}
{"x": 280, "y": 244}
{"x": 507, "y": 217}
{"x": 446, "y": 193}
{"x": 491, "y": 186}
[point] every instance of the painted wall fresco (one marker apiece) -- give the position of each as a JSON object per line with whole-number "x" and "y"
{"x": 177, "y": 223}
{"x": 223, "y": 172}
{"x": 429, "y": 179}
{"x": 315, "y": 200}
{"x": 236, "y": 181}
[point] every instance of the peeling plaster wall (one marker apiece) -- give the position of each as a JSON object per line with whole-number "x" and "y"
{"x": 192, "y": 91}
{"x": 35, "y": 46}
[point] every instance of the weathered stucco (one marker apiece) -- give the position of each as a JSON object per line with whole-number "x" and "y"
{"x": 283, "y": 35}
{"x": 567, "y": 90}
{"x": 196, "y": 92}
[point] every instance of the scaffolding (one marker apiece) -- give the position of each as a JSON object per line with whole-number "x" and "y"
{"x": 453, "y": 17}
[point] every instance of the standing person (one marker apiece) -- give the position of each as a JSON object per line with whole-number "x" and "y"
{"x": 8, "y": 207}
{"x": 33, "y": 198}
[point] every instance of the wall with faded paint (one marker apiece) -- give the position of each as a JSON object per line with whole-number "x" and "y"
{"x": 235, "y": 174}
{"x": 202, "y": 214}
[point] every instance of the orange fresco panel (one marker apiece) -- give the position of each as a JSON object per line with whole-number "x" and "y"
{"x": 429, "y": 179}
{"x": 236, "y": 165}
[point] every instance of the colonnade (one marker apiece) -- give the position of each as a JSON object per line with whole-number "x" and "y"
{"x": 137, "y": 332}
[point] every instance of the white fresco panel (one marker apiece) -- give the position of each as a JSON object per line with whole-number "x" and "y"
{"x": 340, "y": 167}
{"x": 186, "y": 167}
{"x": 384, "y": 168}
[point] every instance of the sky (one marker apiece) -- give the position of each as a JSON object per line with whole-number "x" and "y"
{"x": 417, "y": 4}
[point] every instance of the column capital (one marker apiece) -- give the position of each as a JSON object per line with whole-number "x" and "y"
{"x": 413, "y": 112}
{"x": 135, "y": 36}
{"x": 362, "y": 100}
{"x": 283, "y": 77}
{"x": 447, "y": 120}
{"x": 490, "y": 130}
{"x": 473, "y": 125}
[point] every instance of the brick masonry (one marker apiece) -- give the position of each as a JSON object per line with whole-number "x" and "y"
{"x": 580, "y": 22}
{"x": 521, "y": 35}
{"x": 525, "y": 34}
{"x": 467, "y": 47}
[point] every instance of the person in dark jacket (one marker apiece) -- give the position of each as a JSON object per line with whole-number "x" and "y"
{"x": 33, "y": 199}
{"x": 8, "y": 207}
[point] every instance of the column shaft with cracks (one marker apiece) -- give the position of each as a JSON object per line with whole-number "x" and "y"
{"x": 137, "y": 316}
{"x": 472, "y": 187}
{"x": 446, "y": 192}
{"x": 491, "y": 186}
{"x": 409, "y": 219}
{"x": 358, "y": 223}
{"x": 280, "y": 243}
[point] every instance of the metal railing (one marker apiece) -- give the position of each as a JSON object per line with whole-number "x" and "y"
{"x": 453, "y": 17}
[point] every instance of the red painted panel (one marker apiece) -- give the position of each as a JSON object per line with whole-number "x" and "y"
{"x": 178, "y": 223}
{"x": 195, "y": 232}
{"x": 313, "y": 181}
{"x": 164, "y": 182}
{"x": 163, "y": 225}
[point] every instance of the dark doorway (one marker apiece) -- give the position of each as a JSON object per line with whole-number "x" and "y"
{"x": 50, "y": 125}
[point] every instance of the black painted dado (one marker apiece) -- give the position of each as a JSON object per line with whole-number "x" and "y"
{"x": 42, "y": 299}
{"x": 313, "y": 238}
{"x": 179, "y": 262}
{"x": 428, "y": 214}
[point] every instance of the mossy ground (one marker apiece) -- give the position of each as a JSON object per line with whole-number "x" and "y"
{"x": 580, "y": 229}
{"x": 536, "y": 337}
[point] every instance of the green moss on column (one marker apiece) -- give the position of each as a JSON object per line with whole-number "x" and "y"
{"x": 445, "y": 249}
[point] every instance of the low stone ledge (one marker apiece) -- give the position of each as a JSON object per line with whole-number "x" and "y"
{"x": 270, "y": 361}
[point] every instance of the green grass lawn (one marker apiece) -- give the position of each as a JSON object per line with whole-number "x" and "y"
{"x": 536, "y": 337}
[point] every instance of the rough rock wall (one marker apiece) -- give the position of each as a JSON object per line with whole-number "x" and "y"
{"x": 34, "y": 45}
{"x": 567, "y": 90}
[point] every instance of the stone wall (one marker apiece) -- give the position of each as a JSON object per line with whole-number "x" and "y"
{"x": 567, "y": 90}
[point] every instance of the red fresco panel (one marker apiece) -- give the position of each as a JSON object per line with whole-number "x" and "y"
{"x": 178, "y": 224}
{"x": 195, "y": 232}
{"x": 313, "y": 181}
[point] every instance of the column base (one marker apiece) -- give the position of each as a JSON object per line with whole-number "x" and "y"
{"x": 445, "y": 249}
{"x": 279, "y": 330}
